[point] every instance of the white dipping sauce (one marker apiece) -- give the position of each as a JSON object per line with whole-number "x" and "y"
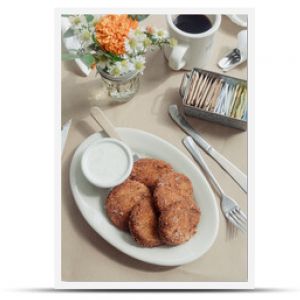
{"x": 107, "y": 163}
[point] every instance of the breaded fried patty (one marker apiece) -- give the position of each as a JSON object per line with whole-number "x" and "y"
{"x": 143, "y": 224}
{"x": 178, "y": 223}
{"x": 148, "y": 171}
{"x": 171, "y": 188}
{"x": 122, "y": 199}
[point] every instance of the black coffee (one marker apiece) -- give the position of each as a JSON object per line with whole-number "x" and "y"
{"x": 193, "y": 23}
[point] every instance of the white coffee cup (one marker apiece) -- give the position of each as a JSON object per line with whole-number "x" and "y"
{"x": 192, "y": 50}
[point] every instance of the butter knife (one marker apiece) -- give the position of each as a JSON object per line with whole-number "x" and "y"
{"x": 238, "y": 176}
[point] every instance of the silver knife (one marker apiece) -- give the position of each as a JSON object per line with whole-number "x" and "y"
{"x": 229, "y": 167}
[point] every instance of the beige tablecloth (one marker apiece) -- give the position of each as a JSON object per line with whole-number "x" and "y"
{"x": 85, "y": 256}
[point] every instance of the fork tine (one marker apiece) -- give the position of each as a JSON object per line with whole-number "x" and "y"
{"x": 237, "y": 212}
{"x": 234, "y": 223}
{"x": 237, "y": 221}
{"x": 242, "y": 214}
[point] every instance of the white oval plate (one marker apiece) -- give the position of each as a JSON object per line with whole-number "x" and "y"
{"x": 90, "y": 201}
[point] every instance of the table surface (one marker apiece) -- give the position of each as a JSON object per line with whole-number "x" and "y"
{"x": 85, "y": 256}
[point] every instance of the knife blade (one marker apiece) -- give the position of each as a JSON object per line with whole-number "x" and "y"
{"x": 238, "y": 176}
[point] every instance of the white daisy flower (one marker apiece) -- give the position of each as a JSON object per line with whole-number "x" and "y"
{"x": 125, "y": 66}
{"x": 139, "y": 35}
{"x": 133, "y": 45}
{"x": 139, "y": 63}
{"x": 140, "y": 46}
{"x": 128, "y": 46}
{"x": 85, "y": 36}
{"x": 161, "y": 34}
{"x": 147, "y": 42}
{"x": 77, "y": 21}
{"x": 131, "y": 67}
{"x": 115, "y": 70}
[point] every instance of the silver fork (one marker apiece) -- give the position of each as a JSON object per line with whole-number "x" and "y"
{"x": 230, "y": 208}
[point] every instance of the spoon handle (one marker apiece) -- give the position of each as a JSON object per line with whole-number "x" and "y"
{"x": 99, "y": 116}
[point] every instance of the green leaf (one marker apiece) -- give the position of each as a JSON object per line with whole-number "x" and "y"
{"x": 88, "y": 59}
{"x": 70, "y": 32}
{"x": 89, "y": 18}
{"x": 93, "y": 46}
{"x": 112, "y": 56}
{"x": 94, "y": 38}
{"x": 69, "y": 56}
{"x": 66, "y": 16}
{"x": 138, "y": 17}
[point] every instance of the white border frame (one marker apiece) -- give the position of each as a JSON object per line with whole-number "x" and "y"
{"x": 59, "y": 284}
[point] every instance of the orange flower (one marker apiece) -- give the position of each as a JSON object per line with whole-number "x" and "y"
{"x": 112, "y": 30}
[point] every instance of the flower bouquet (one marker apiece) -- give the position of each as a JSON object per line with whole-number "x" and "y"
{"x": 116, "y": 45}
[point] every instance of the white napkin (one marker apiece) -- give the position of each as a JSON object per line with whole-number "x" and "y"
{"x": 73, "y": 43}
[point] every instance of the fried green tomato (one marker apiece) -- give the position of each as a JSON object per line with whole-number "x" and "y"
{"x": 143, "y": 224}
{"x": 148, "y": 171}
{"x": 122, "y": 199}
{"x": 178, "y": 224}
{"x": 171, "y": 188}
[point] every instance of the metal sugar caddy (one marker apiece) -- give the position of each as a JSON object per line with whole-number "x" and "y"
{"x": 185, "y": 89}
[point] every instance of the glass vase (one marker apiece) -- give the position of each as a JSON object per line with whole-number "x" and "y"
{"x": 123, "y": 88}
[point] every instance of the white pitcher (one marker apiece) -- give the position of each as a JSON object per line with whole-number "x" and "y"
{"x": 192, "y": 50}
